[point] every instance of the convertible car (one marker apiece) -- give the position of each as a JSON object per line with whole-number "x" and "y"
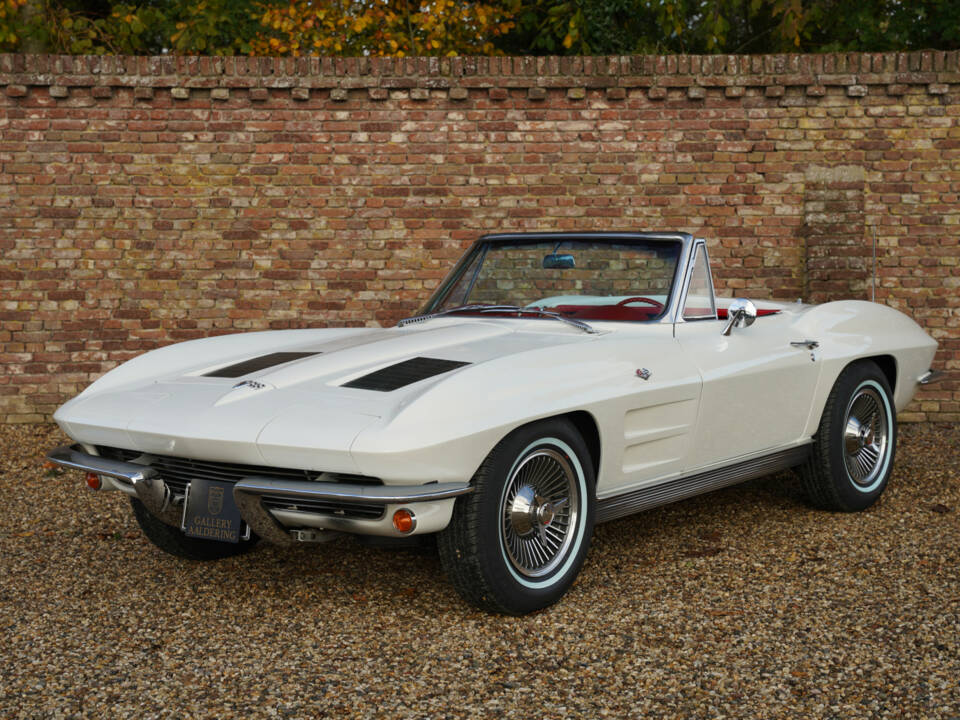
{"x": 553, "y": 381}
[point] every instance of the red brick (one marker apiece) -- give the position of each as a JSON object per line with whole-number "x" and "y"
{"x": 336, "y": 192}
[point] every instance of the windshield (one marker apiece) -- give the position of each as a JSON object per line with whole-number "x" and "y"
{"x": 579, "y": 279}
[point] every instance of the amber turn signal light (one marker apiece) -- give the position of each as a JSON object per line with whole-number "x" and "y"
{"x": 93, "y": 481}
{"x": 404, "y": 521}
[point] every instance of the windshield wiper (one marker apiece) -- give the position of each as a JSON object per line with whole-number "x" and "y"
{"x": 448, "y": 311}
{"x": 481, "y": 309}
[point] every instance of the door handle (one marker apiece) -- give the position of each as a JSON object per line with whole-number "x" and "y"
{"x": 808, "y": 344}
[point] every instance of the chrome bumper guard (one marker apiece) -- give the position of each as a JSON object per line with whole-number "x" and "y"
{"x": 930, "y": 376}
{"x": 154, "y": 493}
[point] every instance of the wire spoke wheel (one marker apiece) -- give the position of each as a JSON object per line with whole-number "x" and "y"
{"x": 865, "y": 436}
{"x": 539, "y": 510}
{"x": 516, "y": 543}
{"x": 853, "y": 450}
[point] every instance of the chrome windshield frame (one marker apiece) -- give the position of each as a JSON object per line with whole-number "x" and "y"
{"x": 674, "y": 300}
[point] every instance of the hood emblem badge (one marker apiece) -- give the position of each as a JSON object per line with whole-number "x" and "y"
{"x": 643, "y": 374}
{"x": 252, "y": 384}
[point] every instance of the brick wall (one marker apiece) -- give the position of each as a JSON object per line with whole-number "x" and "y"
{"x": 149, "y": 200}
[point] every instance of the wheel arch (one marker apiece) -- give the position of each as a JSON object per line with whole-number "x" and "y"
{"x": 585, "y": 424}
{"x": 887, "y": 365}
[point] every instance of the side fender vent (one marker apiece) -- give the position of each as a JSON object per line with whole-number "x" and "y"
{"x": 258, "y": 363}
{"x": 404, "y": 373}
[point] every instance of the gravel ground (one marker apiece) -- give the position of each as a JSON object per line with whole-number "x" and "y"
{"x": 741, "y": 604}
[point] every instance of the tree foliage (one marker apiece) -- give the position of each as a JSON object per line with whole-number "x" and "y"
{"x": 383, "y": 27}
{"x": 210, "y": 27}
{"x": 605, "y": 27}
{"x": 450, "y": 27}
{"x": 12, "y": 24}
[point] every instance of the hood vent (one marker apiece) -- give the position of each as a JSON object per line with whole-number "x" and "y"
{"x": 404, "y": 373}
{"x": 259, "y": 363}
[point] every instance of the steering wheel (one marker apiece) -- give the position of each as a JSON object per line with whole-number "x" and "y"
{"x": 650, "y": 301}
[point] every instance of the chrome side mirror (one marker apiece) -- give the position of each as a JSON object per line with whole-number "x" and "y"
{"x": 741, "y": 313}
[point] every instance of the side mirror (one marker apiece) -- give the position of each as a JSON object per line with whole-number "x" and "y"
{"x": 741, "y": 313}
{"x": 560, "y": 262}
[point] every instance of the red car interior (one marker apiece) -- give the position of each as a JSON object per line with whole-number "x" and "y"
{"x": 626, "y": 313}
{"x": 634, "y": 313}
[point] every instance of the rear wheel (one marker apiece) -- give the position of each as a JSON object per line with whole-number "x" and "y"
{"x": 172, "y": 540}
{"x": 516, "y": 543}
{"x": 854, "y": 447}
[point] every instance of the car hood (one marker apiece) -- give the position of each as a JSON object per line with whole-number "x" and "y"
{"x": 180, "y": 406}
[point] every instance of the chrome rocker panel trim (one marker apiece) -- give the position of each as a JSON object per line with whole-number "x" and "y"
{"x": 154, "y": 493}
{"x": 618, "y": 506}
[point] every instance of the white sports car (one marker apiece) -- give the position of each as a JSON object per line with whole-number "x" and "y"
{"x": 552, "y": 381}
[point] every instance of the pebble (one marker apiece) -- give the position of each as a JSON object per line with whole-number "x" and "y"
{"x": 742, "y": 604}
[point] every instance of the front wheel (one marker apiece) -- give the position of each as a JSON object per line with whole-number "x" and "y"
{"x": 516, "y": 543}
{"x": 854, "y": 447}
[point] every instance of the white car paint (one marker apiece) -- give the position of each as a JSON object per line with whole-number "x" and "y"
{"x": 710, "y": 399}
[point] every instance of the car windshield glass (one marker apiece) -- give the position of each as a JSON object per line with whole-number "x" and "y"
{"x": 579, "y": 279}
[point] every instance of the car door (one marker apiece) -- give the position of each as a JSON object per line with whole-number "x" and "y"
{"x": 756, "y": 391}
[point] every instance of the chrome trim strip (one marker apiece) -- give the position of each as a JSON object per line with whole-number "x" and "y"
{"x": 682, "y": 488}
{"x": 930, "y": 376}
{"x": 349, "y": 493}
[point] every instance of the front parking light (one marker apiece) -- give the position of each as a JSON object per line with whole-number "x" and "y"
{"x": 404, "y": 521}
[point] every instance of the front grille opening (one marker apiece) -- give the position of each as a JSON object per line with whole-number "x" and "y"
{"x": 366, "y": 511}
{"x": 177, "y": 472}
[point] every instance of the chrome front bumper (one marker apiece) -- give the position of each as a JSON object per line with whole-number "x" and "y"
{"x": 432, "y": 502}
{"x": 142, "y": 480}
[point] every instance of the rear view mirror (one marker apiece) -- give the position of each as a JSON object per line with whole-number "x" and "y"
{"x": 560, "y": 262}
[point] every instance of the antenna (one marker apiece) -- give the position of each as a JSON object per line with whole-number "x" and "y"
{"x": 873, "y": 286}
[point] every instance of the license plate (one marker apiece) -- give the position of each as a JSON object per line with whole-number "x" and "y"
{"x": 210, "y": 513}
